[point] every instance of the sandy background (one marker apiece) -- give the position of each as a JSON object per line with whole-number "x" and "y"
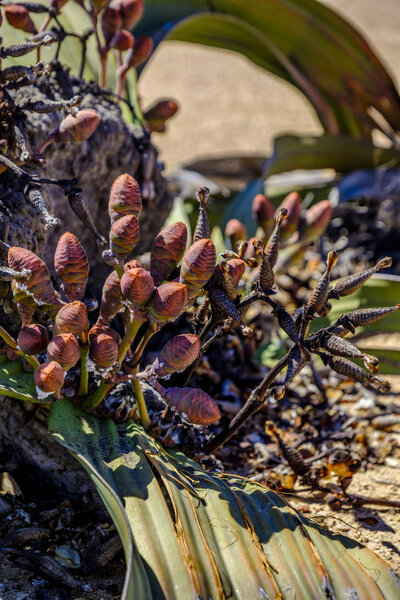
{"x": 229, "y": 106}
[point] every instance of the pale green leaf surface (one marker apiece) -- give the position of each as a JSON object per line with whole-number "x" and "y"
{"x": 15, "y": 382}
{"x": 339, "y": 152}
{"x": 210, "y": 537}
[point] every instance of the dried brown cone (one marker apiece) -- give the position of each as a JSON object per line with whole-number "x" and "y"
{"x": 349, "y": 369}
{"x": 265, "y": 281}
{"x": 38, "y": 285}
{"x": 348, "y": 285}
{"x": 202, "y": 230}
{"x": 198, "y": 265}
{"x": 71, "y": 318}
{"x": 338, "y": 346}
{"x": 72, "y": 266}
{"x": 137, "y": 286}
{"x": 178, "y": 354}
{"x": 124, "y": 236}
{"x": 111, "y": 297}
{"x": 317, "y": 300}
{"x": 33, "y": 339}
{"x": 64, "y": 349}
{"x": 167, "y": 250}
{"x": 365, "y": 316}
{"x": 125, "y": 198}
{"x": 223, "y": 305}
{"x": 103, "y": 346}
{"x": 286, "y": 322}
{"x": 49, "y": 377}
{"x": 272, "y": 247}
{"x": 195, "y": 406}
{"x": 168, "y": 302}
{"x": 226, "y": 281}
{"x": 296, "y": 363}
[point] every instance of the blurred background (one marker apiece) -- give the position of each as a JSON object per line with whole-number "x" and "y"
{"x": 227, "y": 105}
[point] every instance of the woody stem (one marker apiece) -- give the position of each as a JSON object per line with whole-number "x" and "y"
{"x": 253, "y": 403}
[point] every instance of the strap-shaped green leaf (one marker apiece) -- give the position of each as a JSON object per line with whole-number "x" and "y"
{"x": 190, "y": 534}
{"x": 15, "y": 382}
{"x": 302, "y": 41}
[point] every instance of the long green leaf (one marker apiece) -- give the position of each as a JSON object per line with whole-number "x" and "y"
{"x": 191, "y": 534}
{"x": 302, "y": 41}
{"x": 15, "y": 382}
{"x": 342, "y": 153}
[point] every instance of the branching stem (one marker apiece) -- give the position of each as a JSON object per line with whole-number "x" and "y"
{"x": 130, "y": 335}
{"x": 253, "y": 403}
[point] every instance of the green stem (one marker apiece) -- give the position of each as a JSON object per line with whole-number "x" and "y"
{"x": 9, "y": 340}
{"x": 141, "y": 404}
{"x": 143, "y": 343}
{"x": 119, "y": 269}
{"x": 32, "y": 360}
{"x": 130, "y": 335}
{"x": 94, "y": 399}
{"x": 84, "y": 381}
